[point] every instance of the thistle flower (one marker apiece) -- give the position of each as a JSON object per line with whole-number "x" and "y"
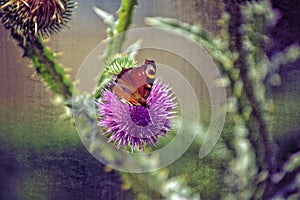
{"x": 137, "y": 126}
{"x": 32, "y": 17}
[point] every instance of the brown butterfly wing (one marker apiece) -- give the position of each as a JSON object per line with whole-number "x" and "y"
{"x": 143, "y": 88}
{"x": 122, "y": 88}
{"x": 133, "y": 85}
{"x": 130, "y": 84}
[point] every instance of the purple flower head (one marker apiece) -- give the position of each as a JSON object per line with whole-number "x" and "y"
{"x": 137, "y": 126}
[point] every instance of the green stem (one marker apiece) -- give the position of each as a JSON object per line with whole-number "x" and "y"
{"x": 125, "y": 18}
{"x": 123, "y": 23}
{"x": 116, "y": 43}
{"x": 263, "y": 142}
{"x": 46, "y": 65}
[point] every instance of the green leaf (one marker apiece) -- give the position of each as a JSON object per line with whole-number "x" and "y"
{"x": 107, "y": 17}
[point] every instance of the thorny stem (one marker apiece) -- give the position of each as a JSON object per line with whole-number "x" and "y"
{"x": 116, "y": 43}
{"x": 248, "y": 87}
{"x": 123, "y": 23}
{"x": 125, "y": 17}
{"x": 45, "y": 64}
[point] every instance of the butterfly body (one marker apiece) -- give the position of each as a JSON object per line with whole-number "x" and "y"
{"x": 133, "y": 85}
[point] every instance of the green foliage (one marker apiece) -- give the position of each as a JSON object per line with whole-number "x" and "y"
{"x": 280, "y": 59}
{"x": 241, "y": 166}
{"x": 249, "y": 112}
{"x": 293, "y": 163}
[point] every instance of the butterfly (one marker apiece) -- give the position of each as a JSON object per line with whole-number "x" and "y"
{"x": 133, "y": 85}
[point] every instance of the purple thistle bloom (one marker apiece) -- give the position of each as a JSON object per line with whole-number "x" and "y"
{"x": 137, "y": 126}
